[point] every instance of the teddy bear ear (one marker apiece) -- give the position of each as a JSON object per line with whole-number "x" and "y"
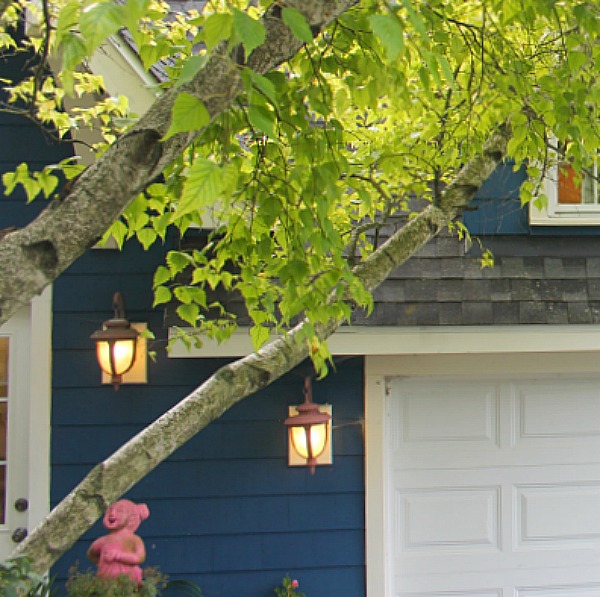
{"x": 143, "y": 511}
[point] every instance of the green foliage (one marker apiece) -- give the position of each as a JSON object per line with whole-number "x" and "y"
{"x": 250, "y": 31}
{"x": 87, "y": 584}
{"x": 321, "y": 159}
{"x": 18, "y": 580}
{"x": 297, "y": 23}
{"x": 189, "y": 114}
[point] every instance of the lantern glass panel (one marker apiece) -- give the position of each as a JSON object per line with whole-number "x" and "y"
{"x": 123, "y": 354}
{"x": 318, "y": 440}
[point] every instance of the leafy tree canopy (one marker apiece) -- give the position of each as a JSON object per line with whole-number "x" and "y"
{"x": 297, "y": 129}
{"x": 385, "y": 105}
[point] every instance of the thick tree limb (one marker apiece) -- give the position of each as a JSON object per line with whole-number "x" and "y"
{"x": 33, "y": 257}
{"x": 230, "y": 384}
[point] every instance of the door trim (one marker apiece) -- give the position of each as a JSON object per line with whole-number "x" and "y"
{"x": 40, "y": 389}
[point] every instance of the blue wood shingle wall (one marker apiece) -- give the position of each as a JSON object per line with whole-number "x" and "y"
{"x": 23, "y": 141}
{"x": 226, "y": 510}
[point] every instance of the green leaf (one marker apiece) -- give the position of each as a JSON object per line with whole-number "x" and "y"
{"x": 162, "y": 294}
{"x": 73, "y": 50}
{"x": 134, "y": 11}
{"x": 264, "y": 85}
{"x": 259, "y": 334}
{"x": 161, "y": 275}
{"x": 98, "y": 21}
{"x": 217, "y": 26}
{"x": 146, "y": 236}
{"x": 48, "y": 182}
{"x": 118, "y": 231}
{"x": 250, "y": 31}
{"x": 294, "y": 271}
{"x": 298, "y": 24}
{"x": 416, "y": 20}
{"x": 191, "y": 68}
{"x": 178, "y": 261}
{"x": 446, "y": 70}
{"x": 189, "y": 114}
{"x": 262, "y": 119}
{"x": 202, "y": 188}
{"x": 68, "y": 17}
{"x": 11, "y": 179}
{"x": 189, "y": 313}
{"x": 21, "y": 176}
{"x": 389, "y": 31}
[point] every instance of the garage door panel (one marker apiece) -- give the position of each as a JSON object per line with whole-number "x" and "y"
{"x": 429, "y": 417}
{"x": 553, "y": 411}
{"x": 501, "y": 423}
{"x": 516, "y": 511}
{"x": 553, "y": 515}
{"x": 443, "y": 520}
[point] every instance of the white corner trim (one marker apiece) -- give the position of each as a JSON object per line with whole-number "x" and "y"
{"x": 375, "y": 507}
{"x": 40, "y": 388}
{"x": 371, "y": 340}
{"x": 123, "y": 74}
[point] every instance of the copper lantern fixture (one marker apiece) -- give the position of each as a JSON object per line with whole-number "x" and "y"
{"x": 116, "y": 344}
{"x": 309, "y": 431}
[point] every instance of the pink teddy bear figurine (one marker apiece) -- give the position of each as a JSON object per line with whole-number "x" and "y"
{"x": 121, "y": 550}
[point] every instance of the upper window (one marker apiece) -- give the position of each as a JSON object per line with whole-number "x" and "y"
{"x": 573, "y": 200}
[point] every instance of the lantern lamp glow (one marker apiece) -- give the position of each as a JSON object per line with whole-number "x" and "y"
{"x": 116, "y": 344}
{"x": 309, "y": 432}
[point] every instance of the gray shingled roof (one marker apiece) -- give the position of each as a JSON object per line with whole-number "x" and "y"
{"x": 535, "y": 280}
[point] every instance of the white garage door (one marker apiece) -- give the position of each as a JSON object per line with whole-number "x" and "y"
{"x": 493, "y": 488}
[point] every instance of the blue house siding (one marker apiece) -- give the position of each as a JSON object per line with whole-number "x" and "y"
{"x": 225, "y": 510}
{"x": 23, "y": 141}
{"x": 497, "y": 208}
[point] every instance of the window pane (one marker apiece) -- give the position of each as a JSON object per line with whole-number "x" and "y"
{"x": 588, "y": 187}
{"x": 569, "y": 189}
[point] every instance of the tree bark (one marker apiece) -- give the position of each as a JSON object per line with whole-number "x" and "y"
{"x": 230, "y": 384}
{"x": 33, "y": 257}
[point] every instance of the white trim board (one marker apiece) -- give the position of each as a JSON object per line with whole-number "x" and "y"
{"x": 370, "y": 340}
{"x": 40, "y": 388}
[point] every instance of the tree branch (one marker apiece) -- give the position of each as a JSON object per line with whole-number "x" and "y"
{"x": 75, "y": 223}
{"x": 230, "y": 384}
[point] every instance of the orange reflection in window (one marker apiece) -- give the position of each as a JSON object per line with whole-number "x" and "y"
{"x": 569, "y": 188}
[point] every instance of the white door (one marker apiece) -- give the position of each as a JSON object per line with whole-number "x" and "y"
{"x": 14, "y": 435}
{"x": 25, "y": 390}
{"x": 493, "y": 487}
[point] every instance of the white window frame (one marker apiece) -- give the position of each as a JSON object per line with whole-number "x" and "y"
{"x": 565, "y": 214}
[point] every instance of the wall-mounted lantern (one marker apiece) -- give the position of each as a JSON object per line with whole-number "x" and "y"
{"x": 118, "y": 346}
{"x": 309, "y": 432}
